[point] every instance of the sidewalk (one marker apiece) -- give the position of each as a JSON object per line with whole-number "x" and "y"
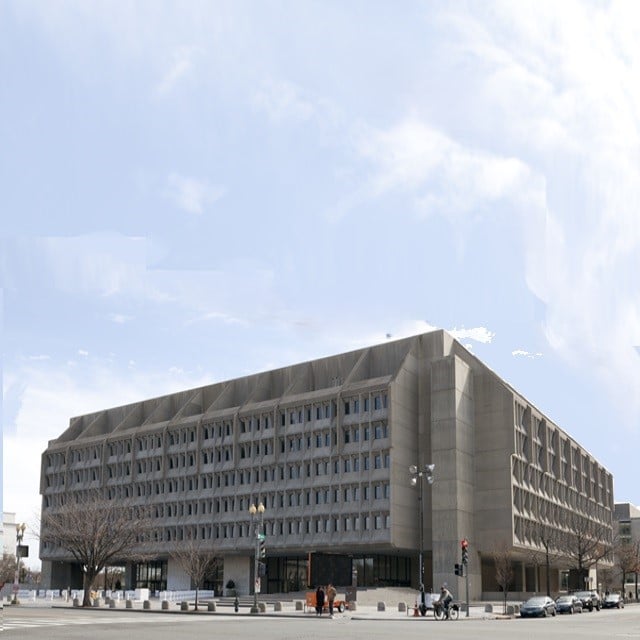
{"x": 278, "y": 610}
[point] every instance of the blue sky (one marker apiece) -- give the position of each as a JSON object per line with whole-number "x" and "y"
{"x": 194, "y": 191}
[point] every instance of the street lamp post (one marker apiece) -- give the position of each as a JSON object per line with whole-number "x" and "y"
{"x": 16, "y": 578}
{"x": 417, "y": 476}
{"x": 257, "y": 515}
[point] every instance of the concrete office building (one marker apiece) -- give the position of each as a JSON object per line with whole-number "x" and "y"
{"x": 326, "y": 446}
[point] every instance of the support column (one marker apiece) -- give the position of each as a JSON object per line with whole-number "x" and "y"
{"x": 452, "y": 449}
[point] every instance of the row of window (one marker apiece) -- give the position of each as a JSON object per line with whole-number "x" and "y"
{"x": 305, "y": 526}
{"x": 115, "y": 472}
{"x": 252, "y": 424}
{"x": 325, "y": 496}
{"x": 277, "y": 499}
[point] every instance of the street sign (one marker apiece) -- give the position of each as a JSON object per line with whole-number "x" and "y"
{"x": 257, "y": 585}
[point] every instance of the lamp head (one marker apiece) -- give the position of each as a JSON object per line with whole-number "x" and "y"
{"x": 252, "y": 509}
{"x": 413, "y": 469}
{"x": 261, "y": 508}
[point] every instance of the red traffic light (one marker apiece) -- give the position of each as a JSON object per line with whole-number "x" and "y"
{"x": 464, "y": 543}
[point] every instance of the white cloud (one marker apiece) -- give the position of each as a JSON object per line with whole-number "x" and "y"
{"x": 192, "y": 195}
{"x": 83, "y": 353}
{"x": 417, "y": 327}
{"x": 525, "y": 354}
{"x": 442, "y": 175}
{"x": 586, "y": 58}
{"x": 553, "y": 86}
{"x": 479, "y": 334}
{"x": 120, "y": 318}
{"x": 182, "y": 61}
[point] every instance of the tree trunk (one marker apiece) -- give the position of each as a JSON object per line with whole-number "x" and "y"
{"x": 196, "y": 607}
{"x": 87, "y": 583}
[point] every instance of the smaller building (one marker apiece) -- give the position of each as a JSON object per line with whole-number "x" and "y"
{"x": 627, "y": 526}
{"x": 9, "y": 525}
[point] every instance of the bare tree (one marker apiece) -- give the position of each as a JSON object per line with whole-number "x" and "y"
{"x": 196, "y": 561}
{"x": 547, "y": 541}
{"x": 96, "y": 532}
{"x": 7, "y": 568}
{"x": 627, "y": 555}
{"x": 503, "y": 561}
{"x": 583, "y": 544}
{"x": 608, "y": 577}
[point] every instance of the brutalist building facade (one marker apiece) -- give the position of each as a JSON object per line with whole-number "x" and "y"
{"x": 326, "y": 447}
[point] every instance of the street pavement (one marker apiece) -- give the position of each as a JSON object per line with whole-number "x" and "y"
{"x": 63, "y": 622}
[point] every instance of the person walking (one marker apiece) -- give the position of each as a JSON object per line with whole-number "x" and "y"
{"x": 331, "y": 596}
{"x": 319, "y": 600}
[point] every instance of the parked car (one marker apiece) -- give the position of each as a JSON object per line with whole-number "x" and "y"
{"x": 613, "y": 601}
{"x": 538, "y": 606}
{"x": 590, "y": 600}
{"x": 568, "y": 604}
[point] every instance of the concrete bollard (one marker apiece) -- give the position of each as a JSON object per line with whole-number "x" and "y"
{"x": 76, "y": 602}
{"x": 96, "y": 602}
{"x": 262, "y": 607}
{"x": 277, "y": 606}
{"x": 128, "y": 604}
{"x": 353, "y": 606}
{"x": 382, "y": 606}
{"x": 510, "y": 610}
{"x": 402, "y": 607}
{"x": 211, "y": 606}
{"x": 112, "y": 603}
{"x": 299, "y": 605}
{"x": 184, "y": 606}
{"x": 146, "y": 605}
{"x": 516, "y": 609}
{"x": 165, "y": 605}
{"x": 488, "y": 608}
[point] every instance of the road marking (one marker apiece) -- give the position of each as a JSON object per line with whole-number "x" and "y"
{"x": 26, "y": 623}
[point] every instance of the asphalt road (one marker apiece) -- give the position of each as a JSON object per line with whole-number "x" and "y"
{"x": 68, "y": 624}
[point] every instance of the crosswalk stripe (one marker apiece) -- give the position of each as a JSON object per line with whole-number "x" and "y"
{"x": 26, "y": 623}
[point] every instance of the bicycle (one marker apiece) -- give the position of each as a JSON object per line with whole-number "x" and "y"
{"x": 440, "y": 612}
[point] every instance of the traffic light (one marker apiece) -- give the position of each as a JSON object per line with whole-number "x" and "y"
{"x": 464, "y": 545}
{"x": 459, "y": 569}
{"x": 262, "y": 569}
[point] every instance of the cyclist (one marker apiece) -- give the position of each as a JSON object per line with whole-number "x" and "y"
{"x": 445, "y": 598}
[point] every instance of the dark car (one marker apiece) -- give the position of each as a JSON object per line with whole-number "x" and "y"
{"x": 613, "y": 601}
{"x": 590, "y": 600}
{"x": 538, "y": 607}
{"x": 568, "y": 604}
